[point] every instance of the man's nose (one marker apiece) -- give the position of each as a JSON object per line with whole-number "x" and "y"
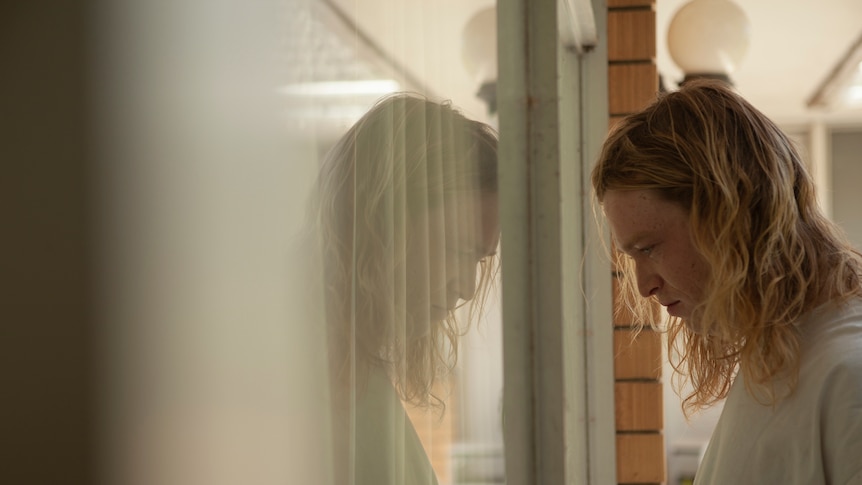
{"x": 648, "y": 280}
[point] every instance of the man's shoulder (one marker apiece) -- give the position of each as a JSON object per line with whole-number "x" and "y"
{"x": 833, "y": 330}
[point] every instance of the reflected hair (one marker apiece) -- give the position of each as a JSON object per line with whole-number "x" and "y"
{"x": 405, "y": 156}
{"x": 754, "y": 217}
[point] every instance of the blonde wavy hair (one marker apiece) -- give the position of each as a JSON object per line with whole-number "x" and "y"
{"x": 407, "y": 155}
{"x": 754, "y": 217}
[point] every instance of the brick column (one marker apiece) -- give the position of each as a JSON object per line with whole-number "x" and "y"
{"x": 632, "y": 84}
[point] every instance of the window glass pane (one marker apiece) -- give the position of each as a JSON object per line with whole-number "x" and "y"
{"x": 300, "y": 233}
{"x": 402, "y": 234}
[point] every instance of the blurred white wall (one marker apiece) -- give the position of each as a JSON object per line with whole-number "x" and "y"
{"x": 209, "y": 374}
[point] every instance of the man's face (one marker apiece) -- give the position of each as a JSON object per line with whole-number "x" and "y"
{"x": 444, "y": 254}
{"x": 655, "y": 233}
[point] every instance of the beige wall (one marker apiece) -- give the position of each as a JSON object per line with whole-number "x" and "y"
{"x": 846, "y": 181}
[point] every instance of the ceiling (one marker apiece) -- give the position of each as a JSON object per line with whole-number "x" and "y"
{"x": 794, "y": 46}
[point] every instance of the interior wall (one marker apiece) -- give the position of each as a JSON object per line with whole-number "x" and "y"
{"x": 686, "y": 438}
{"x": 846, "y": 177}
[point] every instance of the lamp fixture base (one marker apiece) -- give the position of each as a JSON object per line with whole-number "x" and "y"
{"x": 488, "y": 93}
{"x": 707, "y": 75}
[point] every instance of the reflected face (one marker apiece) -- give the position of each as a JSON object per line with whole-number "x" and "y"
{"x": 442, "y": 267}
{"x": 656, "y": 234}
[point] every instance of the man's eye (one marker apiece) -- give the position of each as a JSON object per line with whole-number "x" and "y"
{"x": 646, "y": 251}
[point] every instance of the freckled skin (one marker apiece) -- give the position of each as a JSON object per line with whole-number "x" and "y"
{"x": 657, "y": 235}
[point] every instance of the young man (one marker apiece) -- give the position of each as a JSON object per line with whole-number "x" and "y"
{"x": 718, "y": 218}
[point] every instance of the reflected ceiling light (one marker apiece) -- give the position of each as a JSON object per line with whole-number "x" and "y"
{"x": 708, "y": 39}
{"x": 375, "y": 87}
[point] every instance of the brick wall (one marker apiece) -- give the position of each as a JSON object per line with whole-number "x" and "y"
{"x": 632, "y": 84}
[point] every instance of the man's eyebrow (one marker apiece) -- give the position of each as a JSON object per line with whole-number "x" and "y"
{"x": 624, "y": 249}
{"x": 629, "y": 246}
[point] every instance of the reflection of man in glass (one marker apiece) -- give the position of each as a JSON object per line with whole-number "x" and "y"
{"x": 406, "y": 211}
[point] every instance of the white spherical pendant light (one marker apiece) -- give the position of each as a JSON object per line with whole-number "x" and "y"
{"x": 708, "y": 38}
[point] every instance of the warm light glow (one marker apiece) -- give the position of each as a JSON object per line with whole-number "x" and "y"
{"x": 708, "y": 37}
{"x": 854, "y": 94}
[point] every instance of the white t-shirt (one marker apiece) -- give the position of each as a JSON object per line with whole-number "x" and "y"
{"x": 814, "y": 436}
{"x": 387, "y": 450}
